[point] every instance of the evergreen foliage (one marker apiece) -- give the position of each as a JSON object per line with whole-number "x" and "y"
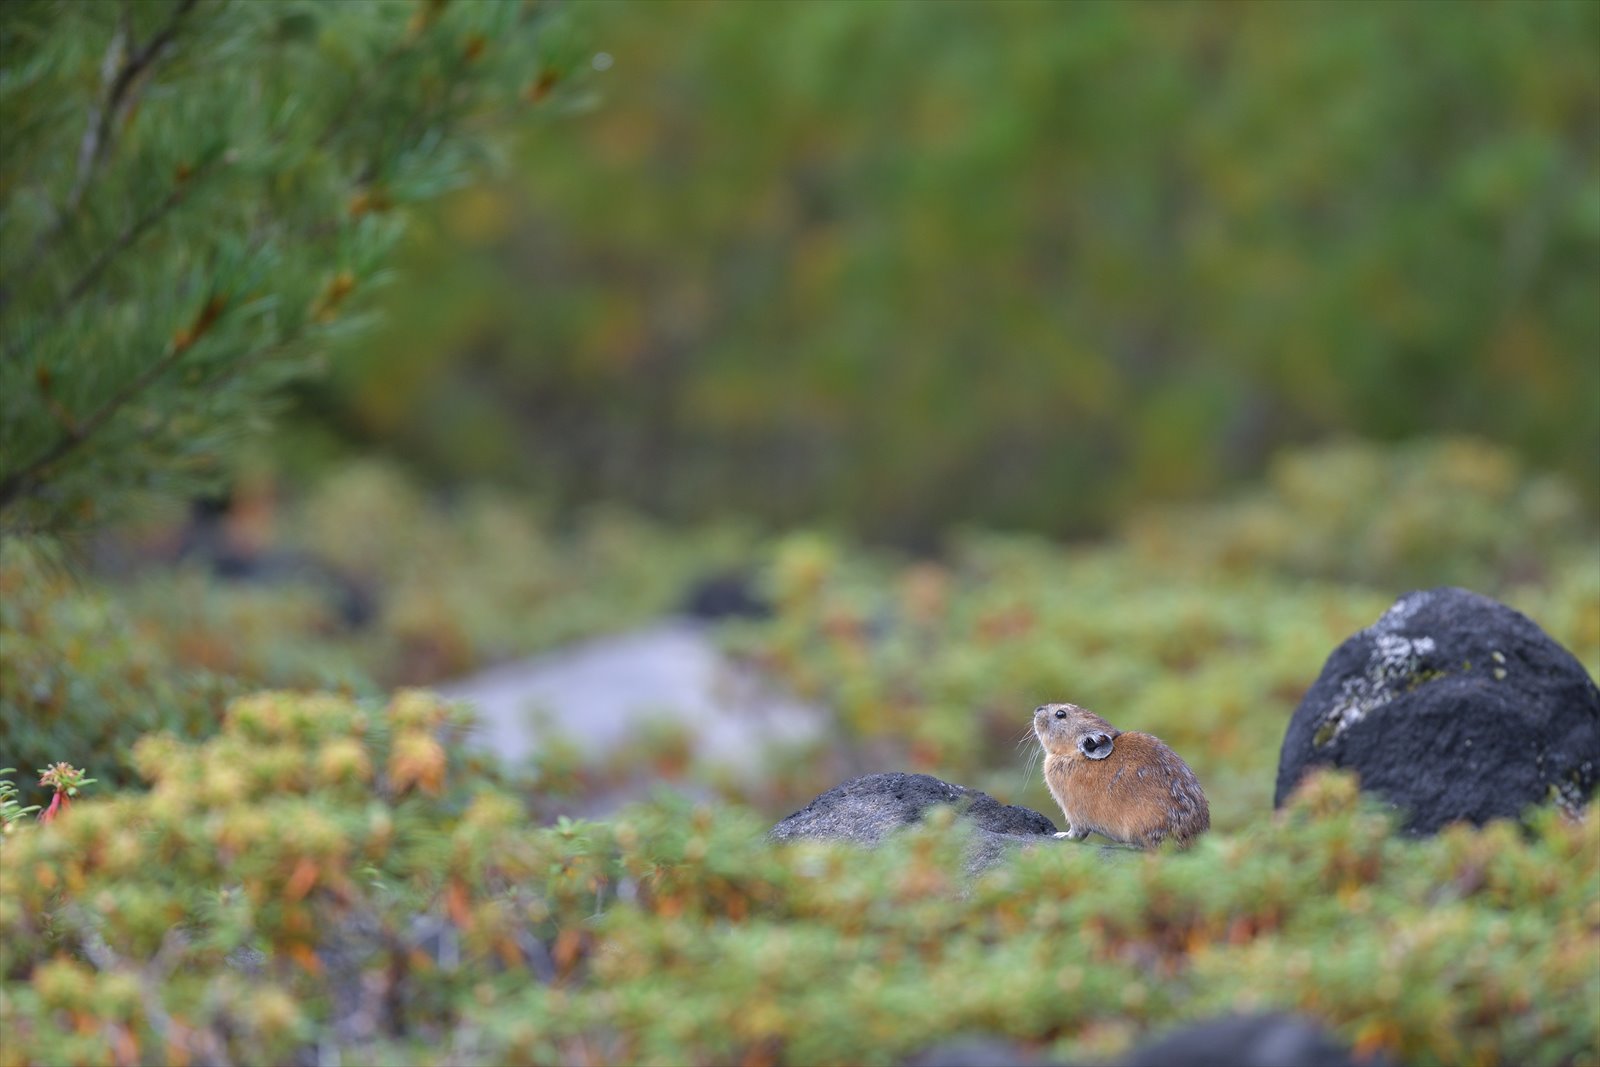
{"x": 199, "y": 195}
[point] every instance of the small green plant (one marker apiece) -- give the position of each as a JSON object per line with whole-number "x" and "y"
{"x": 88, "y": 672}
{"x": 11, "y": 810}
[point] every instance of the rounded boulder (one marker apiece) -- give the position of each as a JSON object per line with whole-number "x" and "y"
{"x": 1452, "y": 706}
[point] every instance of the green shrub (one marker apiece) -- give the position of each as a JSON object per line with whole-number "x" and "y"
{"x": 453, "y": 585}
{"x": 489, "y": 575}
{"x": 1196, "y": 627}
{"x": 330, "y": 875}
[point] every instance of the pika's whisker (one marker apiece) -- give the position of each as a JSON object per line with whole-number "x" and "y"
{"x": 1031, "y": 763}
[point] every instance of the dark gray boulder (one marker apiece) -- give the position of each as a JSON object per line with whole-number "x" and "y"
{"x": 1270, "y": 1040}
{"x": 977, "y": 1052}
{"x": 1247, "y": 1041}
{"x": 1451, "y": 707}
{"x": 865, "y": 809}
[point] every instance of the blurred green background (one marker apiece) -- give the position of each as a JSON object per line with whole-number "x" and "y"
{"x": 1173, "y": 340}
{"x": 894, "y": 267}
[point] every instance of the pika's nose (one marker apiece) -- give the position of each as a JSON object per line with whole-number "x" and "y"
{"x": 1041, "y": 709}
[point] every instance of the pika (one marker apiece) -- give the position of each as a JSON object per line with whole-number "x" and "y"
{"x": 1129, "y": 787}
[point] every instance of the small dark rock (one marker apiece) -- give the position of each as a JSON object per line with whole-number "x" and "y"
{"x": 1276, "y": 1040}
{"x": 1451, "y": 706}
{"x": 208, "y": 539}
{"x": 1248, "y": 1041}
{"x": 976, "y": 1052}
{"x": 865, "y": 809}
{"x": 725, "y": 596}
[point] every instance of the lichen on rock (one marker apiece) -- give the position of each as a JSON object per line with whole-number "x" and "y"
{"x": 1396, "y": 665}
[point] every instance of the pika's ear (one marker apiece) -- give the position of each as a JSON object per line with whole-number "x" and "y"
{"x": 1095, "y": 746}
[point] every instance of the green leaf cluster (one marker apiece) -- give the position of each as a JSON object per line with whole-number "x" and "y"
{"x": 85, "y": 674}
{"x": 11, "y": 809}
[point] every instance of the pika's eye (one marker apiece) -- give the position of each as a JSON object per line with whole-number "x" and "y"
{"x": 1061, "y": 713}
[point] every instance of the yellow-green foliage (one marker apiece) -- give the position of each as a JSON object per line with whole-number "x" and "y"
{"x": 328, "y": 872}
{"x": 266, "y": 897}
{"x": 492, "y": 576}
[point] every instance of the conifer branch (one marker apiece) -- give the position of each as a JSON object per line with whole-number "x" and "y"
{"x": 125, "y": 240}
{"x": 21, "y": 482}
{"x": 98, "y": 269}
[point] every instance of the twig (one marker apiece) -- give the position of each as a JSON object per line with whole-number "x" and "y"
{"x": 151, "y": 978}
{"x": 90, "y": 148}
{"x": 96, "y": 139}
{"x": 96, "y": 136}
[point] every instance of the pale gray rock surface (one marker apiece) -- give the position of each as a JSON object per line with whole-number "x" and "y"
{"x": 598, "y": 694}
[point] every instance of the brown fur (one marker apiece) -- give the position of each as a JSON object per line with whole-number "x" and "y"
{"x": 1140, "y": 794}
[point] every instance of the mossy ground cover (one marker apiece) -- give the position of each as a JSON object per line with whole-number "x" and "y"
{"x": 328, "y": 874}
{"x": 282, "y": 877}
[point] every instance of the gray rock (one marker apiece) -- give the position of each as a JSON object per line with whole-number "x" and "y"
{"x": 1451, "y": 706}
{"x": 1247, "y": 1041}
{"x": 865, "y": 809}
{"x": 1273, "y": 1040}
{"x": 977, "y": 1052}
{"x": 601, "y": 694}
